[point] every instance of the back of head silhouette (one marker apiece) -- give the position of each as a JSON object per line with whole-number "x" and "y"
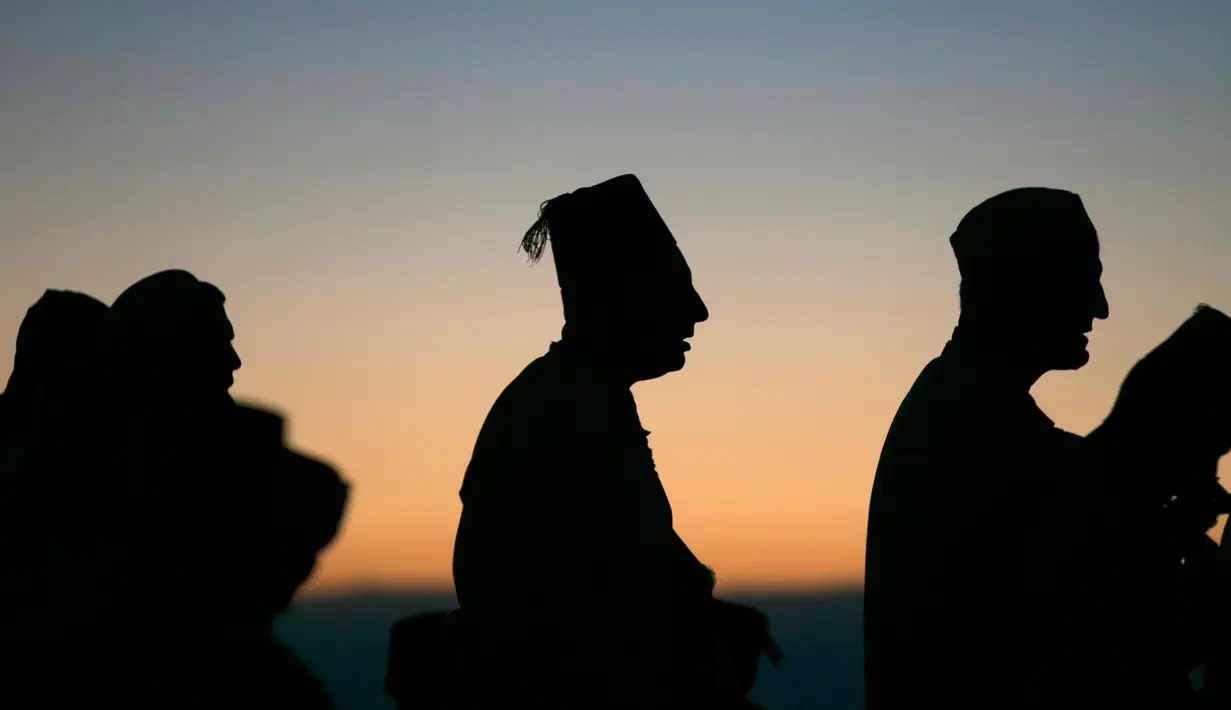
{"x": 626, "y": 287}
{"x": 173, "y": 338}
{"x": 57, "y": 342}
{"x": 1029, "y": 261}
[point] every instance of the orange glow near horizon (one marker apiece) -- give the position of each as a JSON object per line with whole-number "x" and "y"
{"x": 357, "y": 180}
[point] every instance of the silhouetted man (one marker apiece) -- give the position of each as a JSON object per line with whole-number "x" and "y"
{"x": 211, "y": 521}
{"x": 173, "y": 362}
{"x": 577, "y": 591}
{"x": 958, "y": 611}
{"x": 55, "y": 367}
{"x": 53, "y": 487}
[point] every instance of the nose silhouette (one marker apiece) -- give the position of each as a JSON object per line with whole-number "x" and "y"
{"x": 700, "y": 313}
{"x": 1101, "y": 308}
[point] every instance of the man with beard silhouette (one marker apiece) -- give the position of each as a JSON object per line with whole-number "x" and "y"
{"x": 574, "y": 587}
{"x": 958, "y": 608}
{"x": 213, "y": 563}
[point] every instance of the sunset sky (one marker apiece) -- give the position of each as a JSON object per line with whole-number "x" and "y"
{"x": 356, "y": 177}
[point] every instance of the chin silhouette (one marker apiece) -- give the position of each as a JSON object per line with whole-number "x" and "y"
{"x": 1073, "y": 360}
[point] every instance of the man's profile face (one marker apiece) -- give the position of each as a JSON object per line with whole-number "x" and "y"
{"x": 661, "y": 309}
{"x": 1068, "y": 297}
{"x": 197, "y": 356}
{"x": 211, "y": 353}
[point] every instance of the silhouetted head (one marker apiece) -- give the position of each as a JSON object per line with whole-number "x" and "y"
{"x": 173, "y": 339}
{"x": 57, "y": 345}
{"x": 1029, "y": 260}
{"x": 626, "y": 287}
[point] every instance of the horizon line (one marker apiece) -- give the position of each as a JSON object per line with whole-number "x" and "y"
{"x": 370, "y": 589}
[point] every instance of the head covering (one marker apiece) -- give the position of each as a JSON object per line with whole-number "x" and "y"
{"x": 600, "y": 235}
{"x": 58, "y": 335}
{"x": 1016, "y": 227}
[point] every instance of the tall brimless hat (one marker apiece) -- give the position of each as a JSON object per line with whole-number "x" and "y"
{"x": 601, "y": 237}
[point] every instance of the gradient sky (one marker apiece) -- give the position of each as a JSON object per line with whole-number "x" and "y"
{"x": 356, "y": 177}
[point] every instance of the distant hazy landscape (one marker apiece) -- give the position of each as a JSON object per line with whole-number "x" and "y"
{"x": 344, "y": 639}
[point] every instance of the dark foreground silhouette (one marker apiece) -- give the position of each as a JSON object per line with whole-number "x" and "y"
{"x": 153, "y": 528}
{"x": 1012, "y": 564}
{"x": 345, "y": 638}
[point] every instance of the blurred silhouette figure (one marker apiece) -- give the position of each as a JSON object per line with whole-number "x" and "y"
{"x": 422, "y": 670}
{"x": 53, "y": 496}
{"x": 1171, "y": 420}
{"x": 1170, "y": 425}
{"x": 174, "y": 349}
{"x": 575, "y": 590}
{"x": 55, "y": 355}
{"x": 172, "y": 363}
{"x": 226, "y": 521}
{"x": 959, "y": 611}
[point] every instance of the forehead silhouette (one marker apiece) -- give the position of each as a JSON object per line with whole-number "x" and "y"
{"x": 1026, "y": 224}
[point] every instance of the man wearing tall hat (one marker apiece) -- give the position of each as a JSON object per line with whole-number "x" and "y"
{"x": 575, "y": 590}
{"x": 963, "y": 607}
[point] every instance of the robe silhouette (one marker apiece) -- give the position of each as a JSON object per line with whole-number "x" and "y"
{"x": 566, "y": 558}
{"x": 955, "y": 510}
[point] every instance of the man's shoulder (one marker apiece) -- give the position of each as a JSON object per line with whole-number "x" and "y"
{"x": 936, "y": 393}
{"x": 541, "y": 412}
{"x": 950, "y": 393}
{"x": 548, "y": 387}
{"x": 951, "y": 414}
